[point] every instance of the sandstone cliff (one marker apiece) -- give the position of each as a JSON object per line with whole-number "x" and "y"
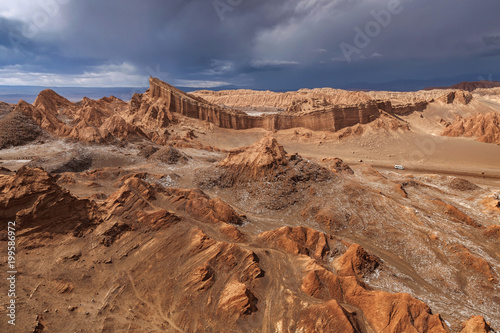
{"x": 148, "y": 116}
{"x": 168, "y": 99}
{"x": 308, "y": 100}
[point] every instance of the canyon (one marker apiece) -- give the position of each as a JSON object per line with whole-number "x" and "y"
{"x": 255, "y": 211}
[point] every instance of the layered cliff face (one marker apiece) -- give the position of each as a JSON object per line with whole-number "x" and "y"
{"x": 310, "y": 100}
{"x": 320, "y": 96}
{"x": 148, "y": 116}
{"x": 314, "y": 98}
{"x": 173, "y": 100}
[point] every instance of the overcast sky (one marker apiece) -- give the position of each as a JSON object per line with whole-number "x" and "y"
{"x": 263, "y": 44}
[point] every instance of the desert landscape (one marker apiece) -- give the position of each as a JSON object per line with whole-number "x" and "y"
{"x": 254, "y": 211}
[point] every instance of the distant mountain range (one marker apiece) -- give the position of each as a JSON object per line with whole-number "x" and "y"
{"x": 471, "y": 86}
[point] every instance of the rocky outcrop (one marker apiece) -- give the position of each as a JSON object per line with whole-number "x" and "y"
{"x": 476, "y": 324}
{"x": 262, "y": 158}
{"x": 5, "y": 108}
{"x": 266, "y": 171}
{"x": 257, "y": 98}
{"x": 33, "y": 199}
{"x": 455, "y": 214}
{"x": 356, "y": 262}
{"x": 17, "y": 129}
{"x": 299, "y": 240}
{"x": 51, "y": 102}
{"x": 456, "y": 96}
{"x": 236, "y": 300}
{"x": 200, "y": 206}
{"x": 45, "y": 118}
{"x": 337, "y": 165}
{"x": 474, "y": 262}
{"x": 158, "y": 219}
{"x": 483, "y": 127}
{"x": 136, "y": 195}
{"x": 95, "y": 121}
{"x": 86, "y": 132}
{"x": 307, "y": 100}
{"x": 169, "y": 155}
{"x": 121, "y": 129}
{"x": 392, "y": 313}
{"x": 329, "y": 317}
{"x": 133, "y": 196}
{"x": 267, "y": 159}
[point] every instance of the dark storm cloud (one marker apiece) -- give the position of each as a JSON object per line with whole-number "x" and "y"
{"x": 491, "y": 40}
{"x": 279, "y": 44}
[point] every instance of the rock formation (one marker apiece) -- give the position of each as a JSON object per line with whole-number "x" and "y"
{"x": 311, "y": 99}
{"x": 148, "y": 116}
{"x": 33, "y": 199}
{"x": 476, "y": 324}
{"x": 17, "y": 129}
{"x": 44, "y": 117}
{"x": 356, "y": 262}
{"x": 117, "y": 127}
{"x": 267, "y": 171}
{"x": 267, "y": 159}
{"x": 168, "y": 100}
{"x": 169, "y": 155}
{"x": 483, "y": 127}
{"x": 299, "y": 240}
{"x": 5, "y": 108}
{"x": 460, "y": 96}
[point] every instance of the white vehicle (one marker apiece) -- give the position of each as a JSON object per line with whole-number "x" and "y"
{"x": 399, "y": 167}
